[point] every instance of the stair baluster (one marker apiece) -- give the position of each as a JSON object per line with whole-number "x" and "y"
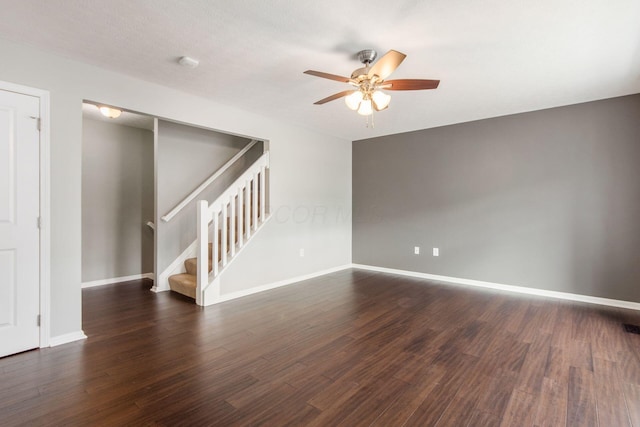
{"x": 231, "y": 220}
{"x": 247, "y": 209}
{"x": 240, "y": 221}
{"x": 254, "y": 201}
{"x": 232, "y": 225}
{"x": 224, "y": 242}
{"x": 262, "y": 192}
{"x": 215, "y": 246}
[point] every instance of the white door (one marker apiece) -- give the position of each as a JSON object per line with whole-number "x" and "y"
{"x": 19, "y": 232}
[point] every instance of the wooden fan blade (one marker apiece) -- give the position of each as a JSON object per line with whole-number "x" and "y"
{"x": 410, "y": 84}
{"x": 334, "y": 97}
{"x": 328, "y": 76}
{"x": 387, "y": 64}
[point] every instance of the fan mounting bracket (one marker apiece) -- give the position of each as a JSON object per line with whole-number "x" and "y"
{"x": 367, "y": 56}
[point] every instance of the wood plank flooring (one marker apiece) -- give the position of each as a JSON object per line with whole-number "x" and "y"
{"x": 352, "y": 348}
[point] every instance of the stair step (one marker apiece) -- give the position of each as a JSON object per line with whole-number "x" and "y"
{"x": 191, "y": 265}
{"x": 184, "y": 284}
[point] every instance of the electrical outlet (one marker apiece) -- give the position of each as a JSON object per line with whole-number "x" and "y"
{"x": 301, "y": 252}
{"x": 416, "y": 250}
{"x": 436, "y": 252}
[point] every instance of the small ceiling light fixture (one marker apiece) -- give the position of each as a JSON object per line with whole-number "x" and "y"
{"x": 188, "y": 62}
{"x": 112, "y": 113}
{"x": 365, "y": 108}
{"x": 381, "y": 99}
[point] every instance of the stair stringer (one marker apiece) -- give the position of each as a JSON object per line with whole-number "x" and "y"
{"x": 176, "y": 267}
{"x": 211, "y": 293}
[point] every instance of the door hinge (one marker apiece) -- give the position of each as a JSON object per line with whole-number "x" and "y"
{"x": 39, "y": 222}
{"x": 38, "y": 320}
{"x": 38, "y": 122}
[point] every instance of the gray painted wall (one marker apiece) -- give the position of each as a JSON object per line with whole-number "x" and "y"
{"x": 117, "y": 200}
{"x": 547, "y": 199}
{"x": 187, "y": 156}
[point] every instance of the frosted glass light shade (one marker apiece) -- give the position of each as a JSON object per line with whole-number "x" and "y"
{"x": 381, "y": 99}
{"x": 112, "y": 113}
{"x": 353, "y": 100}
{"x": 365, "y": 108}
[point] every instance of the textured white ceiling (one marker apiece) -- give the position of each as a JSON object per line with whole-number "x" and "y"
{"x": 493, "y": 57}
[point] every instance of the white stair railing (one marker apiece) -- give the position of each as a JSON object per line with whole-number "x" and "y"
{"x": 217, "y": 174}
{"x": 230, "y": 221}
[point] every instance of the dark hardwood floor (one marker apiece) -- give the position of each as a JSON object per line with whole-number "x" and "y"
{"x": 351, "y": 348}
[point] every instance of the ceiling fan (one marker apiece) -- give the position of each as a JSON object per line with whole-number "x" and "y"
{"x": 369, "y": 81}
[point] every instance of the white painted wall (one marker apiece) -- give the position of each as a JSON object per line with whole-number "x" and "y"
{"x": 308, "y": 170}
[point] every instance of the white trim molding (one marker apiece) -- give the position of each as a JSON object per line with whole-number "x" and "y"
{"x": 113, "y": 280}
{"x": 239, "y": 294}
{"x": 45, "y": 220}
{"x": 67, "y": 338}
{"x": 509, "y": 288}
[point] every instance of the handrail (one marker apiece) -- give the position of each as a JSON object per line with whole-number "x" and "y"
{"x": 241, "y": 209}
{"x": 207, "y": 182}
{"x": 261, "y": 162}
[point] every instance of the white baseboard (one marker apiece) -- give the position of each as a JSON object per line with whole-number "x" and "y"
{"x": 509, "y": 288}
{"x": 116, "y": 280}
{"x": 278, "y": 284}
{"x": 67, "y": 338}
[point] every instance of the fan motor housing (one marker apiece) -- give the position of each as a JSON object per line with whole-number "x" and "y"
{"x": 367, "y": 56}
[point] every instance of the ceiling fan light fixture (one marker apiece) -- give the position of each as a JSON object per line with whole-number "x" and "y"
{"x": 368, "y": 82}
{"x": 112, "y": 113}
{"x": 381, "y": 99}
{"x": 353, "y": 100}
{"x": 366, "y": 108}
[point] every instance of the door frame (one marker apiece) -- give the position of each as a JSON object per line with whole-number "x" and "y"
{"x": 45, "y": 216}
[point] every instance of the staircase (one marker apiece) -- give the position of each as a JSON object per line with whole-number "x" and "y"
{"x": 186, "y": 283}
{"x": 230, "y": 221}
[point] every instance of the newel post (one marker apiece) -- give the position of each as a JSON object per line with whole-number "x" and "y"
{"x": 202, "y": 273}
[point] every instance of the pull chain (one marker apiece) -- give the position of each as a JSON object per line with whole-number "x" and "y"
{"x": 372, "y": 122}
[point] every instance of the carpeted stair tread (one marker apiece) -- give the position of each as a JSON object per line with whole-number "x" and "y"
{"x": 184, "y": 284}
{"x": 191, "y": 265}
